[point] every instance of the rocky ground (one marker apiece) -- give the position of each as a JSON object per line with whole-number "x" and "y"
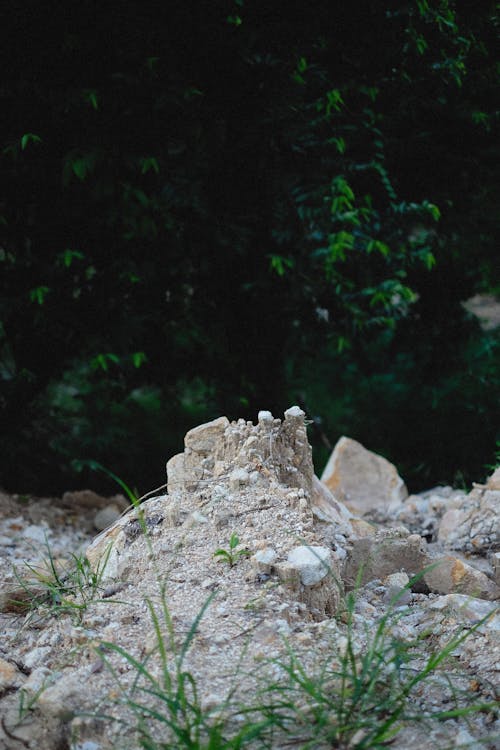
{"x": 83, "y": 622}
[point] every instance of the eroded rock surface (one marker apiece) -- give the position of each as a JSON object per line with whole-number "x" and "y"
{"x": 253, "y": 480}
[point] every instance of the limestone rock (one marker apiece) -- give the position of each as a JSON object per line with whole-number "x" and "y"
{"x": 175, "y": 474}
{"x": 205, "y": 438}
{"x": 264, "y": 559}
{"x": 449, "y": 575}
{"x": 272, "y": 449}
{"x": 313, "y": 575}
{"x": 327, "y": 508}
{"x": 473, "y": 526}
{"x": 397, "y": 592}
{"x": 109, "y": 553}
{"x": 470, "y": 610}
{"x": 387, "y": 551}
{"x": 312, "y": 563}
{"x": 363, "y": 480}
{"x": 10, "y": 676}
{"x": 65, "y": 697}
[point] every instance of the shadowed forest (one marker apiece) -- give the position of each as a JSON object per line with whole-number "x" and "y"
{"x": 218, "y": 207}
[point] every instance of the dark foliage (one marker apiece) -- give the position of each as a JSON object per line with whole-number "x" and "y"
{"x": 220, "y": 207}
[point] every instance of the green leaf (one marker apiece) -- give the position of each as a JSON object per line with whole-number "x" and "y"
{"x": 381, "y": 247}
{"x": 67, "y": 257}
{"x": 421, "y": 45}
{"x": 302, "y": 65}
{"x": 334, "y": 101}
{"x": 90, "y": 97}
{"x": 340, "y": 243}
{"x": 339, "y": 143}
{"x": 29, "y": 138}
{"x": 434, "y": 211}
{"x": 138, "y": 358}
{"x": 79, "y": 167}
{"x": 101, "y": 361}
{"x": 429, "y": 260}
{"x": 481, "y": 118}
{"x": 234, "y": 20}
{"x": 279, "y": 264}
{"x": 342, "y": 344}
{"x": 38, "y": 294}
{"x": 142, "y": 198}
{"x": 224, "y": 554}
{"x": 149, "y": 163}
{"x": 192, "y": 92}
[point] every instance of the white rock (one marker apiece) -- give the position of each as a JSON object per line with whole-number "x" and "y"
{"x": 312, "y": 563}
{"x": 265, "y": 416}
{"x": 264, "y": 559}
{"x": 294, "y": 412}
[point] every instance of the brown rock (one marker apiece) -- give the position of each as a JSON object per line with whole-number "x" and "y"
{"x": 10, "y": 676}
{"x": 205, "y": 438}
{"x": 92, "y": 501}
{"x": 448, "y": 575}
{"x": 388, "y": 551}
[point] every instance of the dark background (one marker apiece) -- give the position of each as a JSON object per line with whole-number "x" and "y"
{"x": 220, "y": 207}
